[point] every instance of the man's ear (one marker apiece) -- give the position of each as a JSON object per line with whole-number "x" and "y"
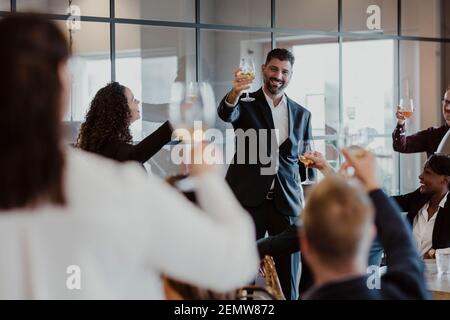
{"x": 304, "y": 244}
{"x": 263, "y": 66}
{"x": 446, "y": 180}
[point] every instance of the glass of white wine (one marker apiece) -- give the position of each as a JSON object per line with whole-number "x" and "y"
{"x": 357, "y": 143}
{"x": 248, "y": 70}
{"x": 191, "y": 112}
{"x": 306, "y": 146}
{"x": 191, "y": 109}
{"x": 406, "y": 108}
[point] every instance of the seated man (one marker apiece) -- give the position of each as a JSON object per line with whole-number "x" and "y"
{"x": 338, "y": 231}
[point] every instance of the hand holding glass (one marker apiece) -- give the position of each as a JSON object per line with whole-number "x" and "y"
{"x": 406, "y": 108}
{"x": 191, "y": 112}
{"x": 307, "y": 146}
{"x": 248, "y": 70}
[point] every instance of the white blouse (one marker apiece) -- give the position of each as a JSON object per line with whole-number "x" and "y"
{"x": 119, "y": 231}
{"x": 423, "y": 228}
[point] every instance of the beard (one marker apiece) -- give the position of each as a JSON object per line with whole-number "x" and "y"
{"x": 274, "y": 86}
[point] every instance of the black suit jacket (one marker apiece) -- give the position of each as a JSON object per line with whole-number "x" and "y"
{"x": 142, "y": 151}
{"x": 426, "y": 140}
{"x": 413, "y": 202}
{"x": 246, "y": 179}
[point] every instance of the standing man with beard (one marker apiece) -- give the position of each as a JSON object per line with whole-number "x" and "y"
{"x": 270, "y": 192}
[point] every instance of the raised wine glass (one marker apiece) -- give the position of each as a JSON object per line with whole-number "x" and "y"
{"x": 248, "y": 70}
{"x": 406, "y": 107}
{"x": 306, "y": 146}
{"x": 191, "y": 112}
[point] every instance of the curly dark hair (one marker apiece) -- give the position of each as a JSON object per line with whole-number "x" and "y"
{"x": 107, "y": 120}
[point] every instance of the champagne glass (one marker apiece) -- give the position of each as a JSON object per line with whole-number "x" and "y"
{"x": 406, "y": 107}
{"x": 356, "y": 143}
{"x": 191, "y": 109}
{"x": 191, "y": 112}
{"x": 306, "y": 146}
{"x": 248, "y": 70}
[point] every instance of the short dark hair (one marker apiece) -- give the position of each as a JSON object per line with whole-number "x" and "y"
{"x": 32, "y": 161}
{"x": 439, "y": 163}
{"x": 280, "y": 54}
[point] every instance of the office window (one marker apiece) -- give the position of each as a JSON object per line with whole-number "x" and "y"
{"x": 425, "y": 18}
{"x": 90, "y": 69}
{"x": 5, "y": 5}
{"x": 221, "y": 52}
{"x": 421, "y": 72}
{"x": 375, "y": 73}
{"x": 369, "y": 102}
{"x": 148, "y": 61}
{"x": 255, "y": 13}
{"x": 87, "y": 7}
{"x": 307, "y": 14}
{"x": 355, "y": 17}
{"x": 315, "y": 86}
{"x": 170, "y": 10}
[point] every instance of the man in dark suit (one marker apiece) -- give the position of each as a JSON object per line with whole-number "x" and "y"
{"x": 338, "y": 231}
{"x": 264, "y": 174}
{"x": 423, "y": 141}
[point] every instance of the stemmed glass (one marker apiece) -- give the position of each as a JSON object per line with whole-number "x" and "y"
{"x": 248, "y": 70}
{"x": 191, "y": 109}
{"x": 191, "y": 112}
{"x": 357, "y": 142}
{"x": 306, "y": 146}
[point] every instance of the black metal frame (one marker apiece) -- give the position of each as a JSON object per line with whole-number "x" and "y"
{"x": 112, "y": 36}
{"x": 273, "y": 30}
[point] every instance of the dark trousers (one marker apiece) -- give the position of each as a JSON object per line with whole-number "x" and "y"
{"x": 268, "y": 219}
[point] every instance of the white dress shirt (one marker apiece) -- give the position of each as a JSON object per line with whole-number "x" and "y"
{"x": 123, "y": 229}
{"x": 423, "y": 228}
{"x": 280, "y": 120}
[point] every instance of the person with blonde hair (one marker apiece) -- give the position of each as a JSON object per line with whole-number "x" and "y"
{"x": 337, "y": 233}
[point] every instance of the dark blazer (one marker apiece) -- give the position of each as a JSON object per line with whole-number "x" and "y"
{"x": 423, "y": 141}
{"x": 404, "y": 278}
{"x": 142, "y": 151}
{"x": 246, "y": 180}
{"x": 413, "y": 202}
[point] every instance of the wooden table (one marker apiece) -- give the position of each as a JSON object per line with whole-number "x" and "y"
{"x": 438, "y": 284}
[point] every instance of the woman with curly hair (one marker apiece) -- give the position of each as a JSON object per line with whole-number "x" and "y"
{"x": 106, "y": 129}
{"x": 74, "y": 225}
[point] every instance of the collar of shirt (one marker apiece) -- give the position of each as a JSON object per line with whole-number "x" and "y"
{"x": 443, "y": 201}
{"x": 282, "y": 103}
{"x": 424, "y": 213}
{"x": 424, "y": 210}
{"x": 280, "y": 118}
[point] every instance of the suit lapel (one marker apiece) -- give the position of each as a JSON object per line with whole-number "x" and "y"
{"x": 439, "y": 224}
{"x": 265, "y": 108}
